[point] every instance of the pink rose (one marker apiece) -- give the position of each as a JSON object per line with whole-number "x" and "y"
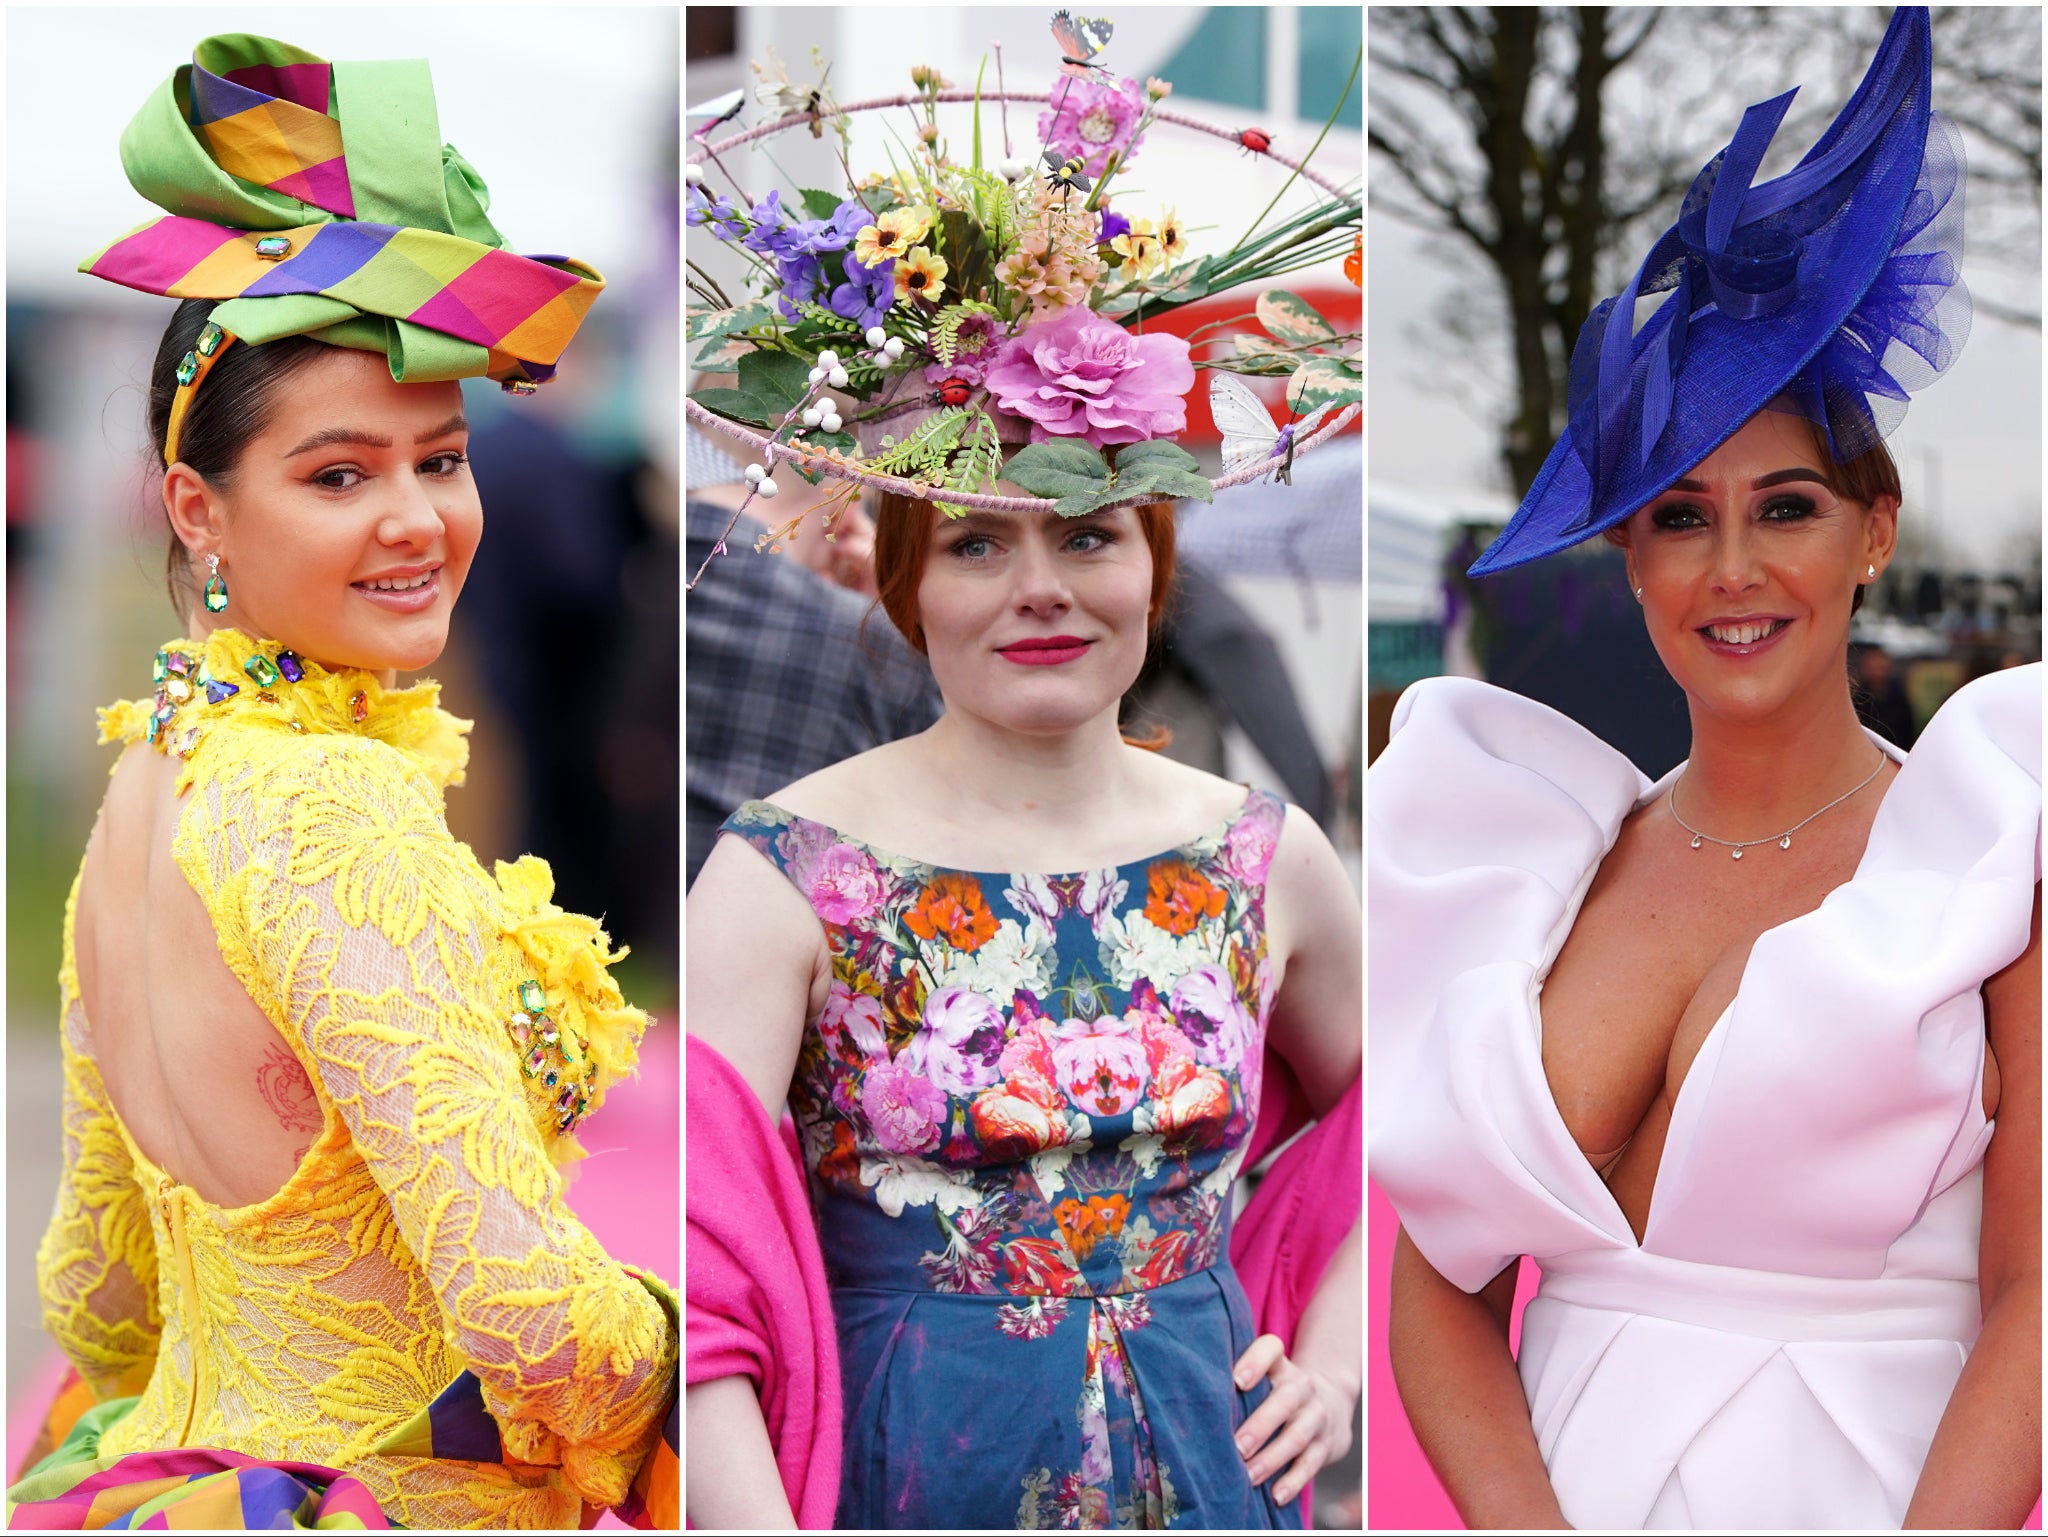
{"x": 1205, "y": 1006}
{"x": 908, "y": 1113}
{"x": 1081, "y": 376}
{"x": 1248, "y": 847}
{"x": 1101, "y": 1066}
{"x": 958, "y": 1041}
{"x": 852, "y": 1016}
{"x": 843, "y": 884}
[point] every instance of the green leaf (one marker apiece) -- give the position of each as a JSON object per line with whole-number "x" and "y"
{"x": 1061, "y": 468}
{"x": 721, "y": 353}
{"x": 742, "y": 317}
{"x": 963, "y": 245}
{"x": 778, "y": 380}
{"x": 1292, "y": 319}
{"x": 1323, "y": 378}
{"x": 820, "y": 205}
{"x": 736, "y": 405}
{"x": 1158, "y": 456}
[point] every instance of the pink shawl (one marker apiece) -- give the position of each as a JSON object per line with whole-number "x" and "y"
{"x": 755, "y": 1297}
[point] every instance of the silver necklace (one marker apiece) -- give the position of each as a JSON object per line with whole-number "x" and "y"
{"x": 1783, "y": 839}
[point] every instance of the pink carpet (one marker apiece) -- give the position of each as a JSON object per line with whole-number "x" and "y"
{"x": 628, "y": 1192}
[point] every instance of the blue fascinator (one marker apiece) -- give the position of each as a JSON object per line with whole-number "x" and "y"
{"x": 1832, "y": 292}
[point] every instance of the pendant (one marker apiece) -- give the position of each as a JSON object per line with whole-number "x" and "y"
{"x": 1695, "y": 840}
{"x": 1738, "y": 853}
{"x": 1785, "y": 842}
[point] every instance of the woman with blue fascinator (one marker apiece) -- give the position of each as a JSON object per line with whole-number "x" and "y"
{"x": 1747, "y": 1059}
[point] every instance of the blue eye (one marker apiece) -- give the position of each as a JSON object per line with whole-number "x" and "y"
{"x": 1677, "y": 515}
{"x": 1787, "y": 509}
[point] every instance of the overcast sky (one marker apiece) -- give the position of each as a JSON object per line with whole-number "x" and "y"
{"x": 1970, "y": 448}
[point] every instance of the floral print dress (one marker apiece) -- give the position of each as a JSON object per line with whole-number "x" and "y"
{"x": 1022, "y": 1109}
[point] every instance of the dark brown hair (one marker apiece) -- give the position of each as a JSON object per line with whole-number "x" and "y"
{"x": 1865, "y": 478}
{"x": 232, "y": 407}
{"x": 903, "y": 546}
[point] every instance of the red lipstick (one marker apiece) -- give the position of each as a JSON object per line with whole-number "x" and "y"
{"x": 1045, "y": 650}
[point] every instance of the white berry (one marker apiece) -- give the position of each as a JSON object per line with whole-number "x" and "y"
{"x": 876, "y": 336}
{"x": 817, "y": 375}
{"x": 831, "y": 423}
{"x": 693, "y": 174}
{"x": 894, "y": 347}
{"x": 812, "y": 416}
{"x": 767, "y": 488}
{"x": 755, "y": 474}
{"x": 837, "y": 378}
{"x": 828, "y": 359}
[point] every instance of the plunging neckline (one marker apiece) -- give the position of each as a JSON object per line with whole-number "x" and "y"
{"x": 1215, "y": 833}
{"x": 1562, "y": 934}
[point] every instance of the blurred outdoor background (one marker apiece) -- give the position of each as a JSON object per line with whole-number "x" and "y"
{"x": 1605, "y": 116}
{"x": 564, "y": 649}
{"x": 1286, "y": 561}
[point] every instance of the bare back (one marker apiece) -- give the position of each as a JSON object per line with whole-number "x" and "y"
{"x": 1654, "y": 959}
{"x": 201, "y": 1080}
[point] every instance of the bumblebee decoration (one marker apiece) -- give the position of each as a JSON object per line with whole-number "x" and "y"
{"x": 1066, "y": 175}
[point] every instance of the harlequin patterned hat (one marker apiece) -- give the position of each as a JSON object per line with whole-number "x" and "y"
{"x": 317, "y": 199}
{"x": 1830, "y": 291}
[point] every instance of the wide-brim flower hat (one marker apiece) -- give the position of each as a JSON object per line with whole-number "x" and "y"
{"x": 1831, "y": 292}
{"x": 972, "y": 307}
{"x": 316, "y": 198}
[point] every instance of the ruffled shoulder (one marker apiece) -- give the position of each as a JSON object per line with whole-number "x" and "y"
{"x": 229, "y": 681}
{"x": 583, "y": 1038}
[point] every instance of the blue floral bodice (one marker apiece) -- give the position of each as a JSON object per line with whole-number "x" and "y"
{"x": 1029, "y": 1096}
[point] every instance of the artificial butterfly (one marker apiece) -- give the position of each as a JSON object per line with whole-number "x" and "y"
{"x": 1249, "y": 436}
{"x": 787, "y": 100}
{"x": 1080, "y": 39}
{"x": 719, "y": 109}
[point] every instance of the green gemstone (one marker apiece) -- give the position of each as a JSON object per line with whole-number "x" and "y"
{"x": 532, "y": 999}
{"x": 210, "y": 340}
{"x": 188, "y": 369}
{"x": 204, "y": 676}
{"x": 262, "y": 669}
{"x": 159, "y": 669}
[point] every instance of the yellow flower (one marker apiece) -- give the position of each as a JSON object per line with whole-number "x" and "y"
{"x": 1139, "y": 246}
{"x": 1172, "y": 240}
{"x": 919, "y": 275}
{"x": 891, "y": 235}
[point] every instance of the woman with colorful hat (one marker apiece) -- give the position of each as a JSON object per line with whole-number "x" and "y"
{"x": 310, "y": 1254}
{"x": 1746, "y": 1059}
{"x": 1035, "y": 996}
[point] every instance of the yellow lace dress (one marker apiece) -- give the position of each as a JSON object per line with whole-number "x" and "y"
{"x": 456, "y": 1026}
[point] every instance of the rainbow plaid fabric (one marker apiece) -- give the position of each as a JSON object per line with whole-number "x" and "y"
{"x": 316, "y": 199}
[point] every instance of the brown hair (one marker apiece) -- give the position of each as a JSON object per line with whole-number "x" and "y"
{"x": 903, "y": 546}
{"x": 1865, "y": 478}
{"x": 233, "y": 407}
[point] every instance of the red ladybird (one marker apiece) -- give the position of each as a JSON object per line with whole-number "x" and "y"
{"x": 1257, "y": 140}
{"x": 954, "y": 391}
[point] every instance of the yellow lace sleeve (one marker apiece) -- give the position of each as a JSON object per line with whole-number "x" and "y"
{"x": 378, "y": 943}
{"x": 96, "y": 1266}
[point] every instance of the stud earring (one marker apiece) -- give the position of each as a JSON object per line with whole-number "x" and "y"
{"x": 216, "y": 589}
{"x": 1639, "y": 595}
{"x": 1870, "y": 573}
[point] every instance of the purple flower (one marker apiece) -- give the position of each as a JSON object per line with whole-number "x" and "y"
{"x": 1113, "y": 225}
{"x": 974, "y": 343}
{"x": 1206, "y": 1008}
{"x": 959, "y": 1041}
{"x": 1092, "y": 120}
{"x": 852, "y": 1023}
{"x": 720, "y": 215}
{"x": 1081, "y": 376}
{"x": 867, "y": 293}
{"x": 769, "y": 225}
{"x": 907, "y": 1113}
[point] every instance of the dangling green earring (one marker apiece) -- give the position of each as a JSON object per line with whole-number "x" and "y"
{"x": 216, "y": 589}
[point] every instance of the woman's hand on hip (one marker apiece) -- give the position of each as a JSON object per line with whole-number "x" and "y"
{"x": 1303, "y": 1426}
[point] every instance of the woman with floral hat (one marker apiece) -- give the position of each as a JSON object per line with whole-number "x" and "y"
{"x": 1747, "y": 1059}
{"x": 310, "y": 1251}
{"x": 1034, "y": 996}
